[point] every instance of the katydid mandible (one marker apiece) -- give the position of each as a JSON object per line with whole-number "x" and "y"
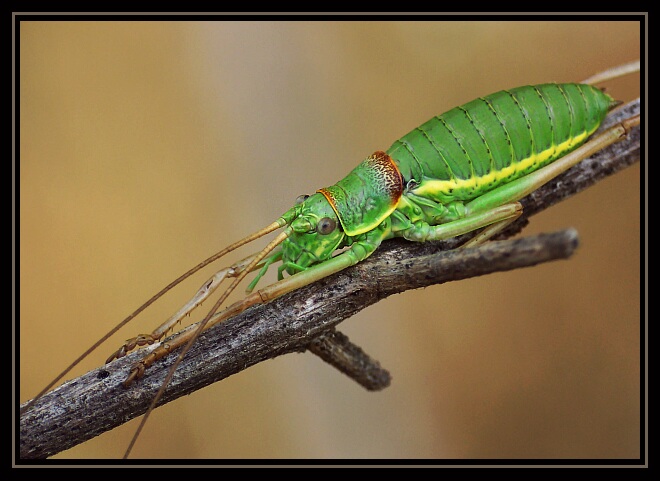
{"x": 457, "y": 173}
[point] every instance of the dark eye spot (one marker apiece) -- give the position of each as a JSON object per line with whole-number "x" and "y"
{"x": 301, "y": 198}
{"x": 326, "y": 225}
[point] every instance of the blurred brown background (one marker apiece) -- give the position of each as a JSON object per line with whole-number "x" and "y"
{"x": 147, "y": 146}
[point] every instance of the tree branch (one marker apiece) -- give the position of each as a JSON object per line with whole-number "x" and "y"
{"x": 306, "y": 318}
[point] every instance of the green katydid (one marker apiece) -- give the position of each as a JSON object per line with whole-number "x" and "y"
{"x": 461, "y": 171}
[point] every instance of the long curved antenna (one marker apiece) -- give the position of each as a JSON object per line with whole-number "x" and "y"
{"x": 613, "y": 72}
{"x": 274, "y": 243}
{"x": 266, "y": 230}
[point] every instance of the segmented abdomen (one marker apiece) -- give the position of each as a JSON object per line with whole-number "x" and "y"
{"x": 494, "y": 139}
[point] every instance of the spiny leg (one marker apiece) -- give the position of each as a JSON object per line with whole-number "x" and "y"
{"x": 138, "y": 369}
{"x": 260, "y": 233}
{"x": 147, "y": 339}
{"x": 357, "y": 252}
{"x": 201, "y": 295}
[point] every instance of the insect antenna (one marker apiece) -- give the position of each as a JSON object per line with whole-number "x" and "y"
{"x": 266, "y": 230}
{"x": 274, "y": 243}
{"x": 614, "y": 72}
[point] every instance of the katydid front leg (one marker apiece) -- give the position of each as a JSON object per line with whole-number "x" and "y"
{"x": 200, "y": 296}
{"x": 358, "y": 251}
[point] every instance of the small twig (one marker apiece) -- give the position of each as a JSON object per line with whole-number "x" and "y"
{"x": 337, "y": 350}
{"x": 96, "y": 402}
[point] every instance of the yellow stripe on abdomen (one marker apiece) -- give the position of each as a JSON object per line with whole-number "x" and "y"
{"x": 467, "y": 189}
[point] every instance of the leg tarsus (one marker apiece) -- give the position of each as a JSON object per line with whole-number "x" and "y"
{"x": 138, "y": 369}
{"x": 130, "y": 344}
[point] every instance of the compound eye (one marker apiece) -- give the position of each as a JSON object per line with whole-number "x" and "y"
{"x": 326, "y": 225}
{"x": 301, "y": 198}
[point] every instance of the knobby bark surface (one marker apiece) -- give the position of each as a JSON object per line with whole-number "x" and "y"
{"x": 305, "y": 320}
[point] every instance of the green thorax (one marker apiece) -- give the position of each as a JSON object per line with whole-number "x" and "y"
{"x": 344, "y": 213}
{"x": 367, "y": 195}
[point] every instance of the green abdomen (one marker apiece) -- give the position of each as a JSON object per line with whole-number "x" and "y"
{"x": 472, "y": 148}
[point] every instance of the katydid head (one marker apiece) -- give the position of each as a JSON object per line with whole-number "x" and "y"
{"x": 334, "y": 216}
{"x": 328, "y": 220}
{"x": 316, "y": 233}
